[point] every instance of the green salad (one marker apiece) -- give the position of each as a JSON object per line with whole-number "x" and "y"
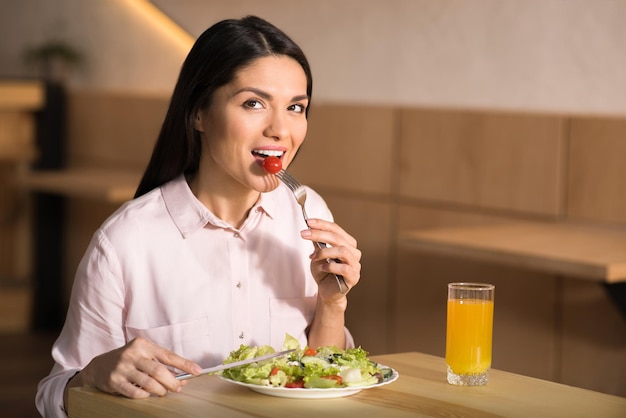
{"x": 324, "y": 367}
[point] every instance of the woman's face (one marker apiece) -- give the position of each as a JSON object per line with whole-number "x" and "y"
{"x": 261, "y": 112}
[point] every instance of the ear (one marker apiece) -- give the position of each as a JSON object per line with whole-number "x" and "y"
{"x": 197, "y": 122}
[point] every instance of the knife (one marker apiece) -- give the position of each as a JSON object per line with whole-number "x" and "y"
{"x": 214, "y": 369}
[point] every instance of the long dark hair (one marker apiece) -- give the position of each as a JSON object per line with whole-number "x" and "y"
{"x": 217, "y": 55}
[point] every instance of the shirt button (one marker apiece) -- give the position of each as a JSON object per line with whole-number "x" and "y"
{"x": 238, "y": 284}
{"x": 236, "y": 234}
{"x": 241, "y": 336}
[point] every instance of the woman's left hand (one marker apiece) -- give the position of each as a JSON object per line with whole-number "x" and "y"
{"x": 341, "y": 247}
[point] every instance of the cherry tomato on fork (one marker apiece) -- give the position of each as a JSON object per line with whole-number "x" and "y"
{"x": 272, "y": 164}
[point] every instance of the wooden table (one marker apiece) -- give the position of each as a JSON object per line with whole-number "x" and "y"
{"x": 421, "y": 390}
{"x": 572, "y": 250}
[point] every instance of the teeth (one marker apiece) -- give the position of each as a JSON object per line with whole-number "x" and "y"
{"x": 269, "y": 153}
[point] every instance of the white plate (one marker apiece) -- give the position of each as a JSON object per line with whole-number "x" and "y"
{"x": 312, "y": 393}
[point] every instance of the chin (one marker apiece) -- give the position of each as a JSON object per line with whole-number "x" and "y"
{"x": 268, "y": 188}
{"x": 268, "y": 184}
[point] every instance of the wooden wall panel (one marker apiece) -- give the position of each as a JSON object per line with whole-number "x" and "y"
{"x": 594, "y": 339}
{"x": 348, "y": 147}
{"x": 424, "y": 217}
{"x": 113, "y": 130}
{"x": 596, "y": 186}
{"x": 487, "y": 160}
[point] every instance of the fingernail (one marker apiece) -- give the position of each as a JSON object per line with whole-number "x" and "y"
{"x": 197, "y": 369}
{"x": 306, "y": 233}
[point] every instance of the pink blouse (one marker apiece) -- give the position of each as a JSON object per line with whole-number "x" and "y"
{"x": 165, "y": 268}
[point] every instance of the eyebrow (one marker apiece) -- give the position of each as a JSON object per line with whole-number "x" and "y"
{"x": 267, "y": 96}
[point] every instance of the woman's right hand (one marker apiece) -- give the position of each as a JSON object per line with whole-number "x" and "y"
{"x": 137, "y": 370}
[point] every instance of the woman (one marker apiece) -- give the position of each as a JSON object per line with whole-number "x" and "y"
{"x": 213, "y": 251}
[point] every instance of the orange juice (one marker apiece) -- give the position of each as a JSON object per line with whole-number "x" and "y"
{"x": 469, "y": 335}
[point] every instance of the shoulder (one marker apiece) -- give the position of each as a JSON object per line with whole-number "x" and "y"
{"x": 135, "y": 210}
{"x": 134, "y": 217}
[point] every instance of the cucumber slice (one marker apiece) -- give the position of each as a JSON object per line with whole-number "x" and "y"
{"x": 312, "y": 360}
{"x": 320, "y": 382}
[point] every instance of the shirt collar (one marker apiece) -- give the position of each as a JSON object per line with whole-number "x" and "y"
{"x": 267, "y": 204}
{"x": 190, "y": 215}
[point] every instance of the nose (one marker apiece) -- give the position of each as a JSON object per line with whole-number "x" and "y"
{"x": 277, "y": 126}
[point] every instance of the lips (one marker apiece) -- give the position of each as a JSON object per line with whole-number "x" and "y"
{"x": 264, "y": 153}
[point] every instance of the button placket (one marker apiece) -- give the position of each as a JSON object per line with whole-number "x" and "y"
{"x": 241, "y": 315}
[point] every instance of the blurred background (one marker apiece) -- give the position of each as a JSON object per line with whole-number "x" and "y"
{"x": 427, "y": 115}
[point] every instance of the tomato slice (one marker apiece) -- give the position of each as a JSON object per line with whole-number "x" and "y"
{"x": 298, "y": 384}
{"x": 334, "y": 377}
{"x": 272, "y": 164}
{"x": 310, "y": 352}
{"x": 274, "y": 371}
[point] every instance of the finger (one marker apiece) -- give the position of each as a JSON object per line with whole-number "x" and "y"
{"x": 144, "y": 380}
{"x": 344, "y": 255}
{"x": 155, "y": 362}
{"x": 131, "y": 390}
{"x": 155, "y": 378}
{"x": 171, "y": 359}
{"x": 329, "y": 233}
{"x": 329, "y": 243}
{"x": 331, "y": 238}
{"x": 350, "y": 272}
{"x": 320, "y": 224}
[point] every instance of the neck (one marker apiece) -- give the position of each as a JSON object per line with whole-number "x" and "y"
{"x": 231, "y": 203}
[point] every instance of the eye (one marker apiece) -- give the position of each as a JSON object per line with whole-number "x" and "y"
{"x": 297, "y": 107}
{"x": 253, "y": 104}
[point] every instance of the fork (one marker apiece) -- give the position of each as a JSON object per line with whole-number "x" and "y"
{"x": 300, "y": 194}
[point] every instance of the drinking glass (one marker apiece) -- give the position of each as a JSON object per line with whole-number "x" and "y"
{"x": 469, "y": 333}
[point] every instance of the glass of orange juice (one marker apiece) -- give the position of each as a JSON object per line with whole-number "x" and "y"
{"x": 469, "y": 333}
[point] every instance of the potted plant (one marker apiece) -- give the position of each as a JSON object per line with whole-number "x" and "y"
{"x": 55, "y": 59}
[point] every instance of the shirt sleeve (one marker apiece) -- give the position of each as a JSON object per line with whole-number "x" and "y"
{"x": 92, "y": 325}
